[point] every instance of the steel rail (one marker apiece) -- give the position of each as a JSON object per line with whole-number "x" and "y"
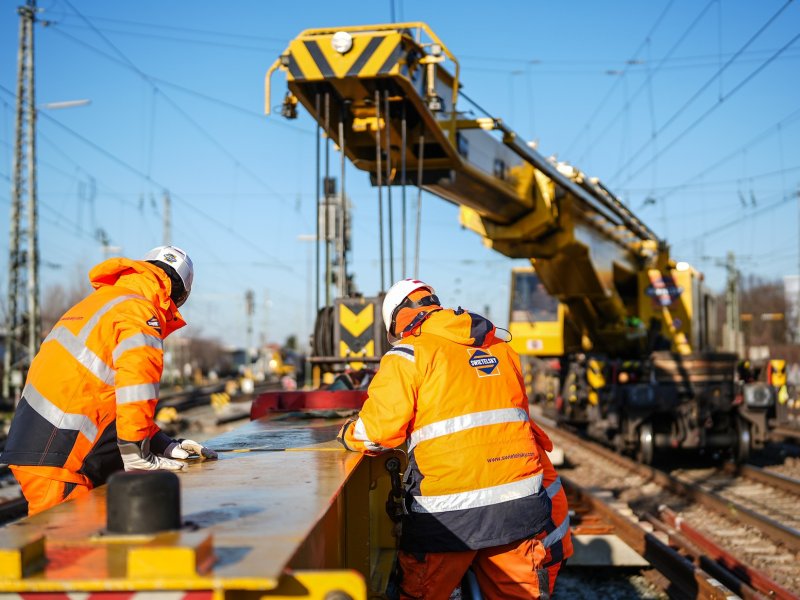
{"x": 695, "y": 554}
{"x": 778, "y": 532}
{"x": 692, "y": 580}
{"x": 751, "y": 577}
{"x": 775, "y": 480}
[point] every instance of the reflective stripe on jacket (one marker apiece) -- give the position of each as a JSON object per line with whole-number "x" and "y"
{"x": 559, "y": 536}
{"x": 96, "y": 376}
{"x": 456, "y": 394}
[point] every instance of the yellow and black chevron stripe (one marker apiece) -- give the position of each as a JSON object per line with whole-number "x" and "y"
{"x": 220, "y": 401}
{"x": 356, "y": 329}
{"x": 372, "y": 54}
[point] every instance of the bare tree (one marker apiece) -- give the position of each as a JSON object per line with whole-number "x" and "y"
{"x": 763, "y": 306}
{"x": 206, "y": 353}
{"x": 59, "y": 298}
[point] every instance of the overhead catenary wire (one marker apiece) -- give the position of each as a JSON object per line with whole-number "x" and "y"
{"x": 793, "y": 116}
{"x": 651, "y": 104}
{"x": 699, "y": 60}
{"x": 144, "y": 176}
{"x": 668, "y": 190}
{"x": 182, "y": 88}
{"x": 130, "y": 65}
{"x": 748, "y": 216}
{"x": 640, "y": 67}
{"x": 152, "y": 25}
{"x": 647, "y": 84}
{"x": 59, "y": 219}
{"x": 705, "y": 86}
{"x": 172, "y": 38}
{"x": 711, "y": 109}
{"x": 63, "y": 218}
{"x": 151, "y": 131}
{"x": 200, "y": 129}
{"x": 605, "y": 98}
{"x": 394, "y": 136}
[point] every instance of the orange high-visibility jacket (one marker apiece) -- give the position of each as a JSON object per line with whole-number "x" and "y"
{"x": 96, "y": 377}
{"x": 455, "y": 393}
{"x": 559, "y": 536}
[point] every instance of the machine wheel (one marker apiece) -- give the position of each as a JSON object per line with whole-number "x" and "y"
{"x": 741, "y": 451}
{"x": 646, "y": 450}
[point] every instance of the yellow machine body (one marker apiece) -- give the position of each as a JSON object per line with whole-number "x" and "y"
{"x": 285, "y": 513}
{"x": 536, "y": 318}
{"x": 677, "y": 302}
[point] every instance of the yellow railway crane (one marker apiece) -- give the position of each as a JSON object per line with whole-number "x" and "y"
{"x": 639, "y": 369}
{"x": 286, "y": 513}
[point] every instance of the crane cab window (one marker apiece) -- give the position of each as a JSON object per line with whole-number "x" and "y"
{"x": 530, "y": 300}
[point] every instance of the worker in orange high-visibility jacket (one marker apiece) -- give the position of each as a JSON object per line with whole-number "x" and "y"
{"x": 87, "y": 408}
{"x": 480, "y": 491}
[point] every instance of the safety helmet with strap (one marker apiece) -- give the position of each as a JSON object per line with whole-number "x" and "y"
{"x": 178, "y": 266}
{"x": 397, "y": 298}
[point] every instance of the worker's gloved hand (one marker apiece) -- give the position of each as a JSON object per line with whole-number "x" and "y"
{"x": 185, "y": 448}
{"x": 340, "y": 437}
{"x": 180, "y": 448}
{"x": 136, "y": 456}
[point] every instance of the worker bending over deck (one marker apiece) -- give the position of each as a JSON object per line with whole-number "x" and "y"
{"x": 480, "y": 490}
{"x": 87, "y": 408}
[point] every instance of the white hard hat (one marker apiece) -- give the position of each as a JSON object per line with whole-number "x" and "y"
{"x": 174, "y": 259}
{"x": 395, "y": 297}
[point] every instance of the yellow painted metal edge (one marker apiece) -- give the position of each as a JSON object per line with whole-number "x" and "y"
{"x": 311, "y": 585}
{"x": 16, "y": 563}
{"x": 134, "y": 585}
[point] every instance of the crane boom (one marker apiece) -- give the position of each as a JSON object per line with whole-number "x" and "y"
{"x": 589, "y": 249}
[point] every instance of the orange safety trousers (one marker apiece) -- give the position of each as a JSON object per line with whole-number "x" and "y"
{"x": 509, "y": 572}
{"x": 42, "y": 492}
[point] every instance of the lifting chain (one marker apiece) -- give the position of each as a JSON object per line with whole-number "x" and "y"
{"x": 394, "y": 502}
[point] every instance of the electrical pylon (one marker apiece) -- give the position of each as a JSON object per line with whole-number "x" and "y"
{"x": 23, "y": 322}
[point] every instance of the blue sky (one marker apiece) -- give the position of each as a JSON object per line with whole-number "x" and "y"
{"x": 688, "y": 110}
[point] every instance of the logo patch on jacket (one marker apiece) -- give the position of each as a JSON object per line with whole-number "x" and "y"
{"x": 153, "y": 322}
{"x": 485, "y": 364}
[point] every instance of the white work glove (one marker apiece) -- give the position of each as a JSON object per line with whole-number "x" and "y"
{"x": 136, "y": 456}
{"x": 185, "y": 448}
{"x": 163, "y": 445}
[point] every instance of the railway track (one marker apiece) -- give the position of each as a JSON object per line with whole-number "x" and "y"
{"x": 740, "y": 512}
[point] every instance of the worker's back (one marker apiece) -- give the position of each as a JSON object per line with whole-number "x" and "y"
{"x": 79, "y": 376}
{"x": 471, "y": 447}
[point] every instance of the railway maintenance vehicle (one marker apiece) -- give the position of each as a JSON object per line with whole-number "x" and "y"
{"x": 637, "y": 364}
{"x": 285, "y": 513}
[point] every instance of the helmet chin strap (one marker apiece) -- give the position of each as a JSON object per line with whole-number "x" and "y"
{"x": 430, "y": 300}
{"x": 417, "y": 321}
